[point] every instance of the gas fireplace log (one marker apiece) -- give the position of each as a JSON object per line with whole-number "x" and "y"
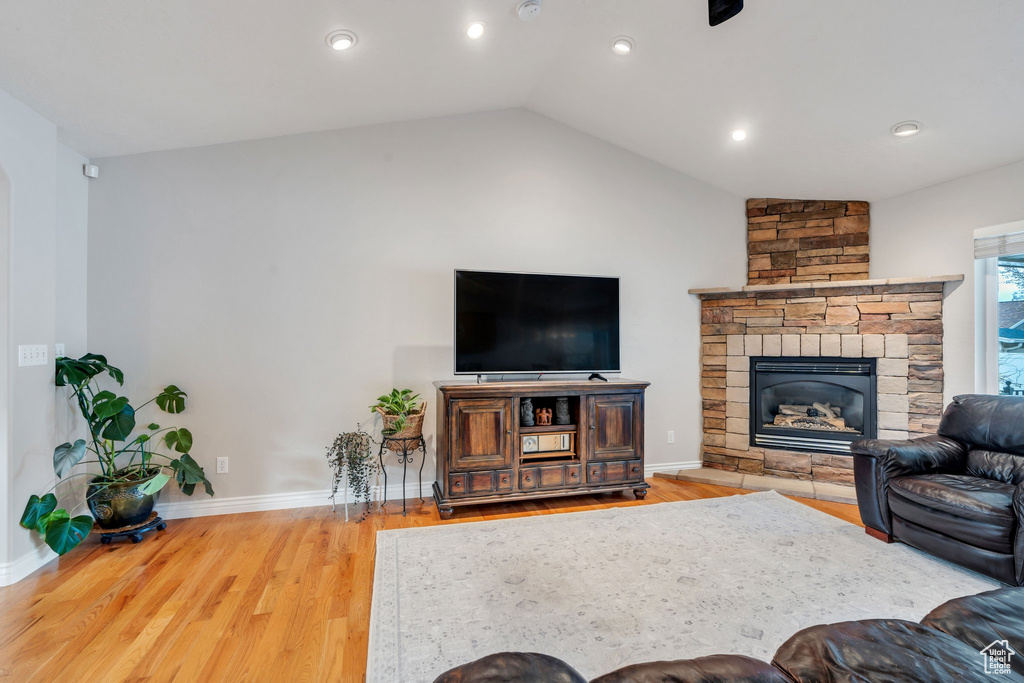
{"x": 789, "y": 409}
{"x": 805, "y": 422}
{"x": 825, "y": 408}
{"x": 798, "y": 409}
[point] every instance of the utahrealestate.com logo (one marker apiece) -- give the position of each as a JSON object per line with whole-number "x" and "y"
{"x": 997, "y": 657}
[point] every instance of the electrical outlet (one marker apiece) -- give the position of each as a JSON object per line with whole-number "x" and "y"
{"x": 58, "y": 351}
{"x": 222, "y": 465}
{"x": 671, "y": 436}
{"x": 32, "y": 354}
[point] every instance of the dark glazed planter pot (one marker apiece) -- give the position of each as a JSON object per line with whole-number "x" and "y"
{"x": 121, "y": 504}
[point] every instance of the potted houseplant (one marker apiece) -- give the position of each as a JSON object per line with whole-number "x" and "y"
{"x": 402, "y": 416}
{"x": 131, "y": 469}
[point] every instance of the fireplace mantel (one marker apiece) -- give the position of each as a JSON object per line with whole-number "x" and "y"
{"x": 847, "y": 284}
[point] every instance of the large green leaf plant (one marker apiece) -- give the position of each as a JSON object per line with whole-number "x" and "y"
{"x": 121, "y": 457}
{"x": 401, "y": 403}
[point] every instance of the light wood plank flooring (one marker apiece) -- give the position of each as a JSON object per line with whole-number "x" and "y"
{"x": 262, "y": 596}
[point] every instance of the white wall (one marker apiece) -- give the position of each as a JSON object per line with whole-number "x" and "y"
{"x": 5, "y": 367}
{"x": 43, "y": 205}
{"x": 285, "y": 283}
{"x": 28, "y": 153}
{"x": 72, "y": 241}
{"x": 931, "y": 232}
{"x": 71, "y": 250}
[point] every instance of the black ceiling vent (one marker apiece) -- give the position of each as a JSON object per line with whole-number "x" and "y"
{"x": 723, "y": 10}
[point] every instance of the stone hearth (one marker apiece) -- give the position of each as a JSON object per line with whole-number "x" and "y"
{"x": 897, "y": 321}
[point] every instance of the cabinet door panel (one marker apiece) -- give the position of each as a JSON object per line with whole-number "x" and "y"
{"x": 615, "y": 429}
{"x": 481, "y": 434}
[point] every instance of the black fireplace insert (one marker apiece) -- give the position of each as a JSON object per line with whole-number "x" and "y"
{"x": 812, "y": 404}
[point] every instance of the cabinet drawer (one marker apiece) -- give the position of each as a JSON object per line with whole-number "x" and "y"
{"x": 458, "y": 484}
{"x": 614, "y": 472}
{"x": 628, "y": 470}
{"x": 528, "y": 478}
{"x": 478, "y": 483}
{"x": 550, "y": 476}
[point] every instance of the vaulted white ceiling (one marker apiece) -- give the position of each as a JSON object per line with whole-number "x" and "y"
{"x": 817, "y": 83}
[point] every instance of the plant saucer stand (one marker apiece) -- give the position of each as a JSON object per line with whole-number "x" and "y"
{"x": 344, "y": 495}
{"x": 406, "y": 452}
{"x": 133, "y": 531}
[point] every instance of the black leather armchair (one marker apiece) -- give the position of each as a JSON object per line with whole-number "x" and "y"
{"x": 959, "y": 494}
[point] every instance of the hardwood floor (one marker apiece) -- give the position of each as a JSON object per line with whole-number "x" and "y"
{"x": 260, "y": 596}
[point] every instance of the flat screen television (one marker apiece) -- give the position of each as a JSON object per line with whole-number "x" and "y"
{"x": 529, "y": 323}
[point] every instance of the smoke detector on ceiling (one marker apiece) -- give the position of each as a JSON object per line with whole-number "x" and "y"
{"x": 528, "y": 10}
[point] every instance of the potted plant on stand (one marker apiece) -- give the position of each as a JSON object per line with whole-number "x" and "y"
{"x": 132, "y": 470}
{"x": 402, "y": 416}
{"x": 402, "y": 432}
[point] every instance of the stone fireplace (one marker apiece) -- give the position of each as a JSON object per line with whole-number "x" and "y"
{"x": 809, "y": 315}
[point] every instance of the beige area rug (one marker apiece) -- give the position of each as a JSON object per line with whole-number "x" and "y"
{"x": 607, "y": 588}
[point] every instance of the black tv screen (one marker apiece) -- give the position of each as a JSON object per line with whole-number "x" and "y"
{"x": 515, "y": 322}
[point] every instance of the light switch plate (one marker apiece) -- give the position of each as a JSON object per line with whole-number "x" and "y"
{"x": 32, "y": 354}
{"x": 58, "y": 350}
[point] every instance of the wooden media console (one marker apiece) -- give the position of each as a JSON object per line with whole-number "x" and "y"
{"x": 480, "y": 443}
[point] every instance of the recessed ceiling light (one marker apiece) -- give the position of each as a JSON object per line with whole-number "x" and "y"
{"x": 341, "y": 40}
{"x": 906, "y": 128}
{"x": 475, "y": 30}
{"x": 623, "y": 45}
{"x": 739, "y": 135}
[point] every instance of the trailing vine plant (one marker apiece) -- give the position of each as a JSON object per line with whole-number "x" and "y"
{"x": 353, "y": 452}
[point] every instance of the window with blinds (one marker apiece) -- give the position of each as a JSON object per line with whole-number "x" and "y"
{"x": 999, "y": 245}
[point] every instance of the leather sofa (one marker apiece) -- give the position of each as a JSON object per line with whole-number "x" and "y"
{"x": 946, "y": 646}
{"x": 959, "y": 494}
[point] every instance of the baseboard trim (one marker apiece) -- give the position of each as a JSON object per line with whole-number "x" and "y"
{"x": 16, "y": 570}
{"x": 207, "y": 507}
{"x": 654, "y": 468}
{"x": 202, "y": 506}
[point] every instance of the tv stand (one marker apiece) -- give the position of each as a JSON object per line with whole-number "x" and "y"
{"x": 598, "y": 376}
{"x": 486, "y": 455}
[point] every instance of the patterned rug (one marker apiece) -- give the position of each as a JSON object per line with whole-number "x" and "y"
{"x": 619, "y": 586}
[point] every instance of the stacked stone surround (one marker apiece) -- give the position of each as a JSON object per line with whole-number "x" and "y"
{"x": 897, "y": 322}
{"x": 798, "y": 240}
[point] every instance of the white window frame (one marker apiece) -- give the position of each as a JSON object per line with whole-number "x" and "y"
{"x": 986, "y": 312}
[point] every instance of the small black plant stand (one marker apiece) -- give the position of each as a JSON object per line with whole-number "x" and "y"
{"x": 405, "y": 456}
{"x": 133, "y": 532}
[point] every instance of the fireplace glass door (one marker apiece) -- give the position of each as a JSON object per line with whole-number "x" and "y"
{"x": 819, "y": 405}
{"x": 815, "y": 405}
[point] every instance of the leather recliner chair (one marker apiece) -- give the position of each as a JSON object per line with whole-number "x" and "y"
{"x": 959, "y": 494}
